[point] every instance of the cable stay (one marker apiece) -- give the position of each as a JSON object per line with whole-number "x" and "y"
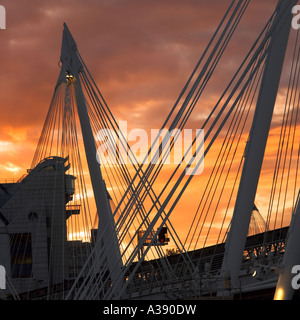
{"x": 261, "y": 59}
{"x": 103, "y": 220}
{"x": 227, "y": 26}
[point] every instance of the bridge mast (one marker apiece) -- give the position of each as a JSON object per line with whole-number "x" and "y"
{"x": 106, "y": 228}
{"x": 256, "y": 145}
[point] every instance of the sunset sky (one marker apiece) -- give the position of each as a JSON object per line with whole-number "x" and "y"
{"x": 139, "y": 52}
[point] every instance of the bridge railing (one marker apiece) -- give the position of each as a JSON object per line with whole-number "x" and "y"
{"x": 201, "y": 276}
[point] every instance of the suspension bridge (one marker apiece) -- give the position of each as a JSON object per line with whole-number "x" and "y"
{"x": 80, "y": 227}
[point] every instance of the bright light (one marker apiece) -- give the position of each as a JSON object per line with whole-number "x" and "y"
{"x": 81, "y": 197}
{"x": 279, "y": 294}
{"x": 70, "y": 78}
{"x": 79, "y": 236}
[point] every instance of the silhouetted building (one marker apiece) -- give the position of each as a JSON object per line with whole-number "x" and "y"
{"x": 33, "y": 231}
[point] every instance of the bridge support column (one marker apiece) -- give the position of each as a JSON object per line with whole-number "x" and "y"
{"x": 254, "y": 154}
{"x": 107, "y": 240}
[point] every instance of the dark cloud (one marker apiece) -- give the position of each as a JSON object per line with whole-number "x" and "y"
{"x": 140, "y": 53}
{"x": 136, "y": 50}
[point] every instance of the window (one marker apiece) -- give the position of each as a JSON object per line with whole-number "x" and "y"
{"x": 49, "y": 168}
{"x": 32, "y": 216}
{"x": 21, "y": 255}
